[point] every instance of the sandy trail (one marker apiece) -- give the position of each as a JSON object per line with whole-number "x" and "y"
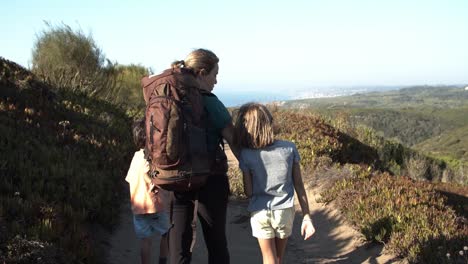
{"x": 333, "y": 242}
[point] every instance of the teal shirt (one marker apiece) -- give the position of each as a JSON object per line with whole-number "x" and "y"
{"x": 219, "y": 118}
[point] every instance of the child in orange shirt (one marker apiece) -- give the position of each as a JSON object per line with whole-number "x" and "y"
{"x": 148, "y": 215}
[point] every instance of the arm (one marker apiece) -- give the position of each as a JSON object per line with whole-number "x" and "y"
{"x": 307, "y": 227}
{"x": 299, "y": 187}
{"x": 147, "y": 178}
{"x": 247, "y": 179}
{"x": 134, "y": 169}
{"x": 228, "y": 135}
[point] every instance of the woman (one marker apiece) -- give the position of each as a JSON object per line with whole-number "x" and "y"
{"x": 213, "y": 196}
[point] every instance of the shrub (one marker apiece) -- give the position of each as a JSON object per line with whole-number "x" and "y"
{"x": 417, "y": 167}
{"x": 62, "y": 164}
{"x": 410, "y": 217}
{"x": 128, "y": 81}
{"x": 235, "y": 182}
{"x": 68, "y": 59}
{"x": 21, "y": 250}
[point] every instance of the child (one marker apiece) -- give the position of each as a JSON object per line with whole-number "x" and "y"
{"x": 271, "y": 173}
{"x": 148, "y": 217}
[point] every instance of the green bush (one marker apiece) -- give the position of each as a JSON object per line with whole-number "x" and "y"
{"x": 410, "y": 217}
{"x": 235, "y": 183}
{"x": 129, "y": 83}
{"x": 68, "y": 59}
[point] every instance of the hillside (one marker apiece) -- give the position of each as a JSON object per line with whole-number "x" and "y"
{"x": 440, "y": 97}
{"x": 64, "y": 156}
{"x": 428, "y": 119}
{"x": 367, "y": 177}
{"x": 61, "y": 161}
{"x": 409, "y": 126}
{"x": 452, "y": 144}
{"x": 355, "y": 173}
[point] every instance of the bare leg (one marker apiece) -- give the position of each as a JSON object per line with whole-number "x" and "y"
{"x": 146, "y": 250}
{"x": 268, "y": 248}
{"x": 280, "y": 247}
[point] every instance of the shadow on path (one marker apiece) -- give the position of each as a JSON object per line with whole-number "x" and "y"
{"x": 333, "y": 242}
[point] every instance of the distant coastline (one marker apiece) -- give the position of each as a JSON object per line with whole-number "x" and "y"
{"x": 233, "y": 99}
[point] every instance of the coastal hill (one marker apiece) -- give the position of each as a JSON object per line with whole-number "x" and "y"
{"x": 430, "y": 119}
{"x": 64, "y": 155}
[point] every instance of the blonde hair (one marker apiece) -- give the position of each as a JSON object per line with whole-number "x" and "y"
{"x": 254, "y": 127}
{"x": 198, "y": 60}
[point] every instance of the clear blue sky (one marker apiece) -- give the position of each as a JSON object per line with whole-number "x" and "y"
{"x": 265, "y": 45}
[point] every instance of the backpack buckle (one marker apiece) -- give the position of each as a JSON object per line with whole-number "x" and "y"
{"x": 183, "y": 174}
{"x": 153, "y": 174}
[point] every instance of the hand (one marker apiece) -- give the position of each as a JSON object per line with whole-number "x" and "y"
{"x": 307, "y": 228}
{"x": 154, "y": 189}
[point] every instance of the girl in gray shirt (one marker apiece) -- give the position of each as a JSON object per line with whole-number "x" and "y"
{"x": 271, "y": 173}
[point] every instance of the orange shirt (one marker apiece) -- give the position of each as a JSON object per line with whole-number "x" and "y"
{"x": 143, "y": 200}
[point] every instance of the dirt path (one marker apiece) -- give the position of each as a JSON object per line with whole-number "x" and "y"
{"x": 333, "y": 242}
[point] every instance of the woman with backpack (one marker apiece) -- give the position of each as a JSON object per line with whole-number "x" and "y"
{"x": 209, "y": 202}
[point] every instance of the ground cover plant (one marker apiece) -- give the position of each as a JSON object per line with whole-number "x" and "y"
{"x": 411, "y": 218}
{"x": 61, "y": 169}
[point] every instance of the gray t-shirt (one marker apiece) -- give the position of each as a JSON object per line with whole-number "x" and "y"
{"x": 271, "y": 170}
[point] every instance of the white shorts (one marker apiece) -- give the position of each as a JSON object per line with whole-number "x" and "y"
{"x": 268, "y": 224}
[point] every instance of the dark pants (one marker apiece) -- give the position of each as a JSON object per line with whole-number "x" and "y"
{"x": 212, "y": 207}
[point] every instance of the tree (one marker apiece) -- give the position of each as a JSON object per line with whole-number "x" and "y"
{"x": 69, "y": 59}
{"x": 128, "y": 80}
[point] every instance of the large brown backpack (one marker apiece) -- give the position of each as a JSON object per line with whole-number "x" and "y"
{"x": 176, "y": 131}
